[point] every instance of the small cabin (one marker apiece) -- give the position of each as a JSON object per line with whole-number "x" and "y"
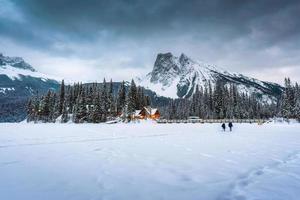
{"x": 147, "y": 113}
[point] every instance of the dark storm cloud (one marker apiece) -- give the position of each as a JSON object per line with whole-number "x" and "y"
{"x": 217, "y": 30}
{"x": 273, "y": 18}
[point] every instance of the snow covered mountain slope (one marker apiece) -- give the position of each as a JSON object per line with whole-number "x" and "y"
{"x": 16, "y": 68}
{"x": 18, "y": 81}
{"x": 178, "y": 77}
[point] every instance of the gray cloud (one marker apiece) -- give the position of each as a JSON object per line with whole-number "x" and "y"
{"x": 241, "y": 35}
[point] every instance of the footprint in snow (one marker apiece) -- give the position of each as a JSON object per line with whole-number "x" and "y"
{"x": 237, "y": 189}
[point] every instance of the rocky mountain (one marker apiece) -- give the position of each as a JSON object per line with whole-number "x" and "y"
{"x": 177, "y": 77}
{"x": 18, "y": 81}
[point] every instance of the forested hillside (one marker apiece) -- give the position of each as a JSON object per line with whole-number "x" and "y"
{"x": 88, "y": 103}
{"x": 99, "y": 102}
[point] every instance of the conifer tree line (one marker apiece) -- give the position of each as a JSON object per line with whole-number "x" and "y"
{"x": 93, "y": 103}
{"x": 96, "y": 103}
{"x": 224, "y": 101}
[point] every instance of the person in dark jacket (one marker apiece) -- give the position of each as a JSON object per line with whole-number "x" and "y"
{"x": 223, "y": 126}
{"x": 230, "y": 125}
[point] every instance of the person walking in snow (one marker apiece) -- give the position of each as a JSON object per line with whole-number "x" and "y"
{"x": 230, "y": 125}
{"x": 223, "y": 126}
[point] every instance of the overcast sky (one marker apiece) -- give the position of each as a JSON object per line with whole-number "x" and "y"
{"x": 92, "y": 39}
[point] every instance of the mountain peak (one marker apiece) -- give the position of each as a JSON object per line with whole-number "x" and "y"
{"x": 179, "y": 76}
{"x": 184, "y": 57}
{"x": 164, "y": 55}
{"x": 167, "y": 65}
{"x": 16, "y": 62}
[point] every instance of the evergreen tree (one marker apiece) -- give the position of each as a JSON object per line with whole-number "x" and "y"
{"x": 81, "y": 110}
{"x": 65, "y": 115}
{"x": 61, "y": 96}
{"x": 121, "y": 101}
{"x": 96, "y": 112}
{"x": 44, "y": 111}
{"x": 287, "y": 99}
{"x": 30, "y": 110}
{"x": 147, "y": 101}
{"x": 104, "y": 101}
{"x": 111, "y": 103}
{"x": 132, "y": 98}
{"x": 297, "y": 102}
{"x": 218, "y": 99}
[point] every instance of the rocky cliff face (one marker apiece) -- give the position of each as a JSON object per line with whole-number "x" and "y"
{"x": 177, "y": 77}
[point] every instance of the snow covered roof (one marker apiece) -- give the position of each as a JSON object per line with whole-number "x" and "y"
{"x": 153, "y": 111}
{"x": 137, "y": 113}
{"x": 147, "y": 110}
{"x": 150, "y": 111}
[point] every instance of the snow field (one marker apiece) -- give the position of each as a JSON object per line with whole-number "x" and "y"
{"x": 149, "y": 161}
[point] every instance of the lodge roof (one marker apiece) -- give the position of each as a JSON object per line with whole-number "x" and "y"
{"x": 137, "y": 112}
{"x": 148, "y": 110}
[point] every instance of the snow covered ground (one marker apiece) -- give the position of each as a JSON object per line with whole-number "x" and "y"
{"x": 149, "y": 161}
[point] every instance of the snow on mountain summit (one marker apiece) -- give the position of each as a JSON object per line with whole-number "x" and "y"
{"x": 16, "y": 62}
{"x": 16, "y": 68}
{"x": 175, "y": 77}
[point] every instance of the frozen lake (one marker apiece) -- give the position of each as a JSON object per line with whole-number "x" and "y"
{"x": 149, "y": 161}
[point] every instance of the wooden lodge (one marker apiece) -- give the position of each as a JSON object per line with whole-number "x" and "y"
{"x": 147, "y": 113}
